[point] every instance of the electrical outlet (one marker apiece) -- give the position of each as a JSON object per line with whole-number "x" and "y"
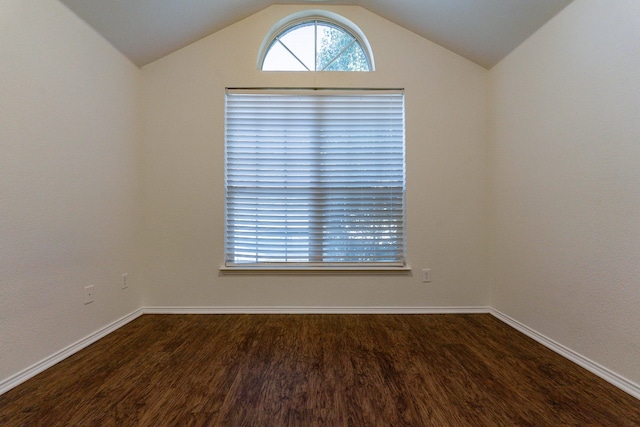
{"x": 426, "y": 275}
{"x": 125, "y": 278}
{"x": 88, "y": 294}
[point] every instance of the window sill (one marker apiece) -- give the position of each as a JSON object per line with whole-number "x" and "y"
{"x": 313, "y": 271}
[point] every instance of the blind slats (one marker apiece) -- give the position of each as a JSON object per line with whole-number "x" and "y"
{"x": 314, "y": 178}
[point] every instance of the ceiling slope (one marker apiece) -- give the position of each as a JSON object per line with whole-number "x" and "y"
{"x": 483, "y": 31}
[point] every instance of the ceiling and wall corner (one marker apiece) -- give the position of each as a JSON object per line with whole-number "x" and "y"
{"x": 483, "y": 31}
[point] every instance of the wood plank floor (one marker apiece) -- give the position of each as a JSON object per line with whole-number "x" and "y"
{"x": 317, "y": 370}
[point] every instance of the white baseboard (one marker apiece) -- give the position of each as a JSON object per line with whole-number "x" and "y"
{"x": 35, "y": 369}
{"x": 606, "y": 374}
{"x": 314, "y": 310}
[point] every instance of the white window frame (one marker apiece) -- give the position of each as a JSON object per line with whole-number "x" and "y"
{"x": 398, "y": 265}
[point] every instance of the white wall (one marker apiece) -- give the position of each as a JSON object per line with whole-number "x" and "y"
{"x": 446, "y": 98}
{"x": 69, "y": 166}
{"x": 565, "y": 160}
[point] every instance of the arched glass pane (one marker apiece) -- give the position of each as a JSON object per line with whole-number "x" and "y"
{"x": 298, "y": 40}
{"x": 315, "y": 45}
{"x": 351, "y": 59}
{"x": 331, "y": 42}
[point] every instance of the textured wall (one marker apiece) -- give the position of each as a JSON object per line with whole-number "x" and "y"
{"x": 69, "y": 165}
{"x": 184, "y": 187}
{"x": 565, "y": 159}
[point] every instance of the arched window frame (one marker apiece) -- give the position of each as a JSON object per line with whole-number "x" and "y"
{"x": 296, "y": 19}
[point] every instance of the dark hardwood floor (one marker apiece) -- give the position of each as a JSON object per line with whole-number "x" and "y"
{"x": 317, "y": 370}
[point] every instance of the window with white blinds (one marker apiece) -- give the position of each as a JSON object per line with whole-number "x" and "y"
{"x": 314, "y": 178}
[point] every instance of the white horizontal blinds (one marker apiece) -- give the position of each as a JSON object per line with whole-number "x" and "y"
{"x": 315, "y": 177}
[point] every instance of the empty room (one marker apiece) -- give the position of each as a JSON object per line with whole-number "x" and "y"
{"x": 339, "y": 212}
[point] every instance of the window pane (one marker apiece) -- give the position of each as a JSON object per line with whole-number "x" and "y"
{"x": 352, "y": 59}
{"x": 314, "y": 178}
{"x": 298, "y": 40}
{"x": 330, "y": 43}
{"x": 279, "y": 59}
{"x": 315, "y": 45}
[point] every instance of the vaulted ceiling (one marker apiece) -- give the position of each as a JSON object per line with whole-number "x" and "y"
{"x": 483, "y": 31}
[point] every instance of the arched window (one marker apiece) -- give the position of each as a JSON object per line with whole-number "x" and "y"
{"x": 318, "y": 42}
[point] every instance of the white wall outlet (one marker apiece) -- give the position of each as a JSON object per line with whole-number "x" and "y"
{"x": 125, "y": 278}
{"x": 88, "y": 294}
{"x": 426, "y": 275}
